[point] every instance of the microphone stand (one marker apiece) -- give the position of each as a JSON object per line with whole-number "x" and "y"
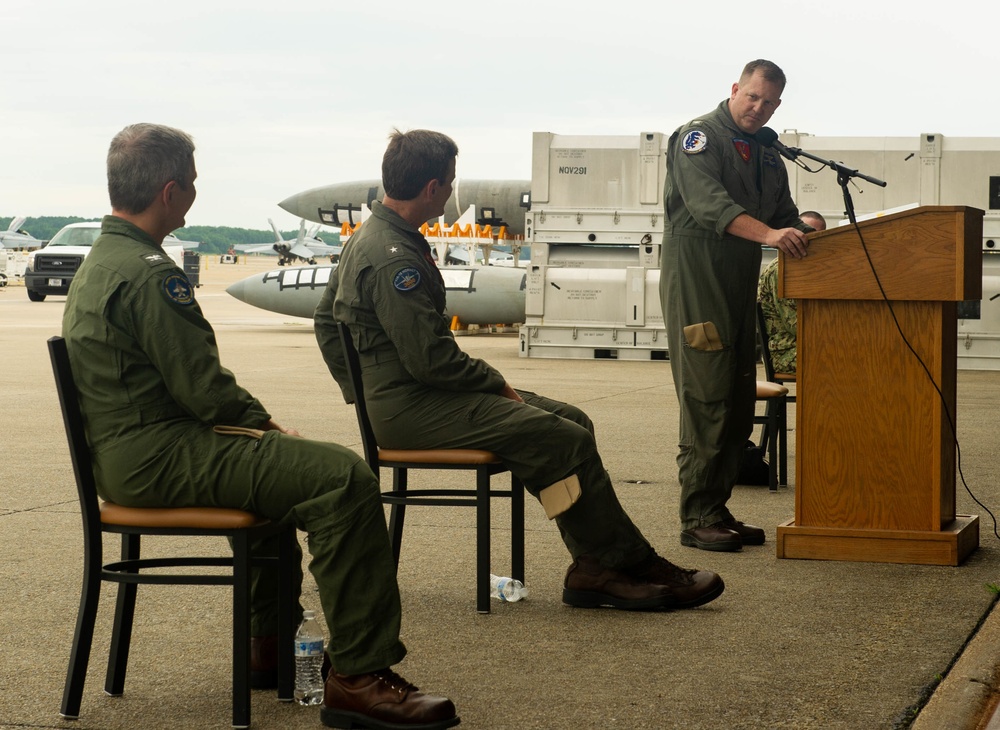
{"x": 844, "y": 175}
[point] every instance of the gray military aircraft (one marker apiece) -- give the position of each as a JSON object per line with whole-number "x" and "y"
{"x": 498, "y": 202}
{"x": 14, "y": 237}
{"x": 306, "y": 246}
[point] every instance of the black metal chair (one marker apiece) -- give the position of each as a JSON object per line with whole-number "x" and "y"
{"x": 775, "y": 418}
{"x": 134, "y": 523}
{"x": 484, "y": 463}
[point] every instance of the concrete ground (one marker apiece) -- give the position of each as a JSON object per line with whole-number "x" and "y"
{"x": 791, "y": 643}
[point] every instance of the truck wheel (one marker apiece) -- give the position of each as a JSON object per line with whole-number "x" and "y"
{"x": 35, "y": 296}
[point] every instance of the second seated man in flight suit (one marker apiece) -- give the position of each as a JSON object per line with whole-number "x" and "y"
{"x": 424, "y": 392}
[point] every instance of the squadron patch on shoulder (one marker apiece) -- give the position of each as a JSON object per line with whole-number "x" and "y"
{"x": 770, "y": 159}
{"x": 178, "y": 289}
{"x": 742, "y": 148}
{"x": 406, "y": 279}
{"x": 694, "y": 142}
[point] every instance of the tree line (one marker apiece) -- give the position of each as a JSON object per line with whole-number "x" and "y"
{"x": 211, "y": 239}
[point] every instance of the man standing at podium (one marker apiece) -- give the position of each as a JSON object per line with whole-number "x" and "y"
{"x": 725, "y": 196}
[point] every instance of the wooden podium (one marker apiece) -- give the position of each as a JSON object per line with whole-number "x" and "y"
{"x": 875, "y": 453}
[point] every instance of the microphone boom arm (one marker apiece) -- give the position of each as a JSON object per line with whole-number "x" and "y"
{"x": 840, "y": 168}
{"x": 844, "y": 175}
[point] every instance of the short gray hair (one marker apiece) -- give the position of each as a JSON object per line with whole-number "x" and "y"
{"x": 142, "y": 159}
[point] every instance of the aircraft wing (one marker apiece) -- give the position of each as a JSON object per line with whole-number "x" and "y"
{"x": 458, "y": 253}
{"x": 255, "y": 247}
{"x": 322, "y": 249}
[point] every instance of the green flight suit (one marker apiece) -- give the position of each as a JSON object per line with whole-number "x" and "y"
{"x": 715, "y": 172}
{"x": 781, "y": 318}
{"x": 151, "y": 387}
{"x": 424, "y": 392}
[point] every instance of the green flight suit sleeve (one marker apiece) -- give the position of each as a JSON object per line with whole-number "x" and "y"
{"x": 699, "y": 180}
{"x": 170, "y": 328}
{"x": 328, "y": 337}
{"x": 421, "y": 336}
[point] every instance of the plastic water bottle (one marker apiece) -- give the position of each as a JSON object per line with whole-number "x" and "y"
{"x": 309, "y": 661}
{"x": 507, "y": 590}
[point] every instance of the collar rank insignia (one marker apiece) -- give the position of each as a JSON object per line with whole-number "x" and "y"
{"x": 742, "y": 149}
{"x": 694, "y": 142}
{"x": 406, "y": 279}
{"x": 178, "y": 290}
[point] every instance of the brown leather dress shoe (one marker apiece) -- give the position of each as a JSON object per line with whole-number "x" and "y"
{"x": 715, "y": 537}
{"x": 382, "y": 700}
{"x": 689, "y": 588}
{"x": 749, "y": 534}
{"x": 589, "y": 584}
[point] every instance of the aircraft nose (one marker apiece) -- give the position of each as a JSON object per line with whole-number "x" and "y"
{"x": 238, "y": 290}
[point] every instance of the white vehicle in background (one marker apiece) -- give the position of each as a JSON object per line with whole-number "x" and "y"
{"x": 51, "y": 269}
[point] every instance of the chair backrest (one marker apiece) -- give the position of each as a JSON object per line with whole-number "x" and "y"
{"x": 360, "y": 408}
{"x": 765, "y": 349}
{"x": 76, "y": 435}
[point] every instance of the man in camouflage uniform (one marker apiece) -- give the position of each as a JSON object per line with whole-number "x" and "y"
{"x": 424, "y": 392}
{"x": 725, "y": 196}
{"x": 781, "y": 315}
{"x": 154, "y": 394}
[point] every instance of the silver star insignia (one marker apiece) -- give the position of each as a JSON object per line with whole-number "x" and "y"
{"x": 393, "y": 249}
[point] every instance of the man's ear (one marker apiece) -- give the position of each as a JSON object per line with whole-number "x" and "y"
{"x": 431, "y": 188}
{"x": 167, "y": 193}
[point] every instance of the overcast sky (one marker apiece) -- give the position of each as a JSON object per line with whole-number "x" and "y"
{"x": 286, "y": 95}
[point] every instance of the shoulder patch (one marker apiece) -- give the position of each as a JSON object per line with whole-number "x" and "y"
{"x": 694, "y": 142}
{"x": 178, "y": 289}
{"x": 406, "y": 279}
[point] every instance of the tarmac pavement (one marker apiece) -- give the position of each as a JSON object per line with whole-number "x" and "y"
{"x": 790, "y": 644}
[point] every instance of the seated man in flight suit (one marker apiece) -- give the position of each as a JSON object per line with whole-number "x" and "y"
{"x": 424, "y": 392}
{"x": 156, "y": 401}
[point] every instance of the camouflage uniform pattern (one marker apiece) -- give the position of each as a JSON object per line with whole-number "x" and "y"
{"x": 780, "y": 320}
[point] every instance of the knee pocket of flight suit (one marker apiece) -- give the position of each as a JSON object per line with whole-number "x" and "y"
{"x": 708, "y": 364}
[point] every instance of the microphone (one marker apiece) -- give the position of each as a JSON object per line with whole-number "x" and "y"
{"x": 769, "y": 138}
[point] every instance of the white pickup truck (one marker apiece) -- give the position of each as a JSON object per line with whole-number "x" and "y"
{"x": 51, "y": 269}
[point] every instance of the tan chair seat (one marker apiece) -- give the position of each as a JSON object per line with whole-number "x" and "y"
{"x": 767, "y": 389}
{"x": 199, "y": 518}
{"x": 439, "y": 456}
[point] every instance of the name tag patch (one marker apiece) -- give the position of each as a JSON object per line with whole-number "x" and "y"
{"x": 742, "y": 149}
